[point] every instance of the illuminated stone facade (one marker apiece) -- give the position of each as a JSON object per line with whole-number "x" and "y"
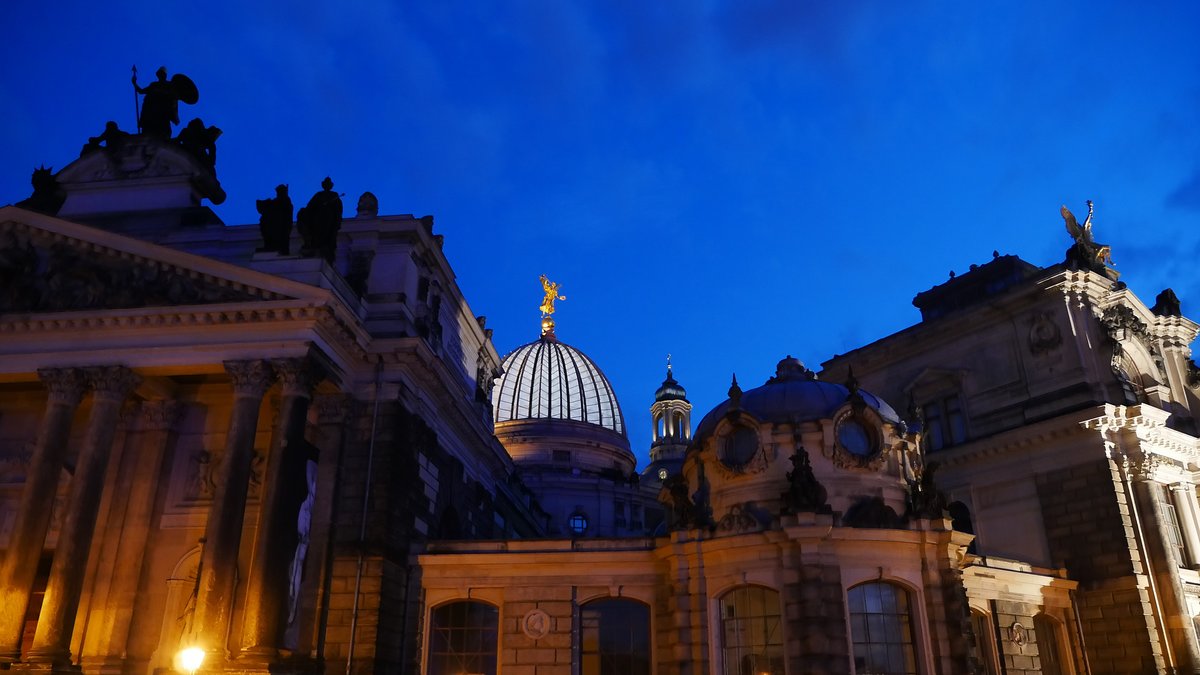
{"x": 309, "y": 464}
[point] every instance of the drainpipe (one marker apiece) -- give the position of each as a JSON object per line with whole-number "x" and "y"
{"x": 362, "y": 527}
{"x": 1087, "y": 667}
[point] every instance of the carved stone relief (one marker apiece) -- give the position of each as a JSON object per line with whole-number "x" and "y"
{"x": 37, "y": 274}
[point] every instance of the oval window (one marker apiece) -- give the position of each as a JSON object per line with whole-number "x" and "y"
{"x": 855, "y": 438}
{"x": 740, "y": 446}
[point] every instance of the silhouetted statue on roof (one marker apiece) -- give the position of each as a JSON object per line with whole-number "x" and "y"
{"x": 201, "y": 141}
{"x": 1086, "y": 253}
{"x": 1167, "y": 304}
{"x": 275, "y": 221}
{"x": 160, "y": 109}
{"x": 48, "y": 196}
{"x": 319, "y": 222}
{"x": 112, "y": 137}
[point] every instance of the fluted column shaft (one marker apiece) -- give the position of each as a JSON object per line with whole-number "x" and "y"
{"x": 52, "y": 640}
{"x": 223, "y": 531}
{"x": 158, "y": 420}
{"x": 284, "y": 488}
{"x": 18, "y": 569}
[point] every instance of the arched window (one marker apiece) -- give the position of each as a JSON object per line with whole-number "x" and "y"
{"x": 614, "y": 637}
{"x": 462, "y": 638}
{"x": 1049, "y": 645}
{"x": 677, "y": 431}
{"x": 751, "y": 632}
{"x": 882, "y": 629}
{"x": 740, "y": 446}
{"x": 985, "y": 641}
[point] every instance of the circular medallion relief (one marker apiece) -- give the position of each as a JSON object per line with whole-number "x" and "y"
{"x": 536, "y": 624}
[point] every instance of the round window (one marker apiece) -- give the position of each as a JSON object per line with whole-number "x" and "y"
{"x": 740, "y": 446}
{"x": 578, "y": 523}
{"x": 855, "y": 438}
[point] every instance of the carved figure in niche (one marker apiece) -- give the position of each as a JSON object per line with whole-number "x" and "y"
{"x": 160, "y": 108}
{"x": 275, "y": 221}
{"x": 201, "y": 142}
{"x": 48, "y": 196}
{"x": 112, "y": 137}
{"x": 1167, "y": 304}
{"x": 303, "y": 527}
{"x": 1085, "y": 253}
{"x": 319, "y": 223}
{"x": 702, "y": 511}
{"x": 924, "y": 499}
{"x": 805, "y": 493}
{"x": 201, "y": 484}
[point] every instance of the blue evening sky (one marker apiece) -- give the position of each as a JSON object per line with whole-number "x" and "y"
{"x": 729, "y": 182}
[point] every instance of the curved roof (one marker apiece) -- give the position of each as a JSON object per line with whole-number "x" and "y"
{"x": 670, "y": 389}
{"x": 793, "y": 395}
{"x": 547, "y": 379}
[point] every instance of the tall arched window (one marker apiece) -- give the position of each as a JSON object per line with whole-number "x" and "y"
{"x": 614, "y": 637}
{"x": 462, "y": 638}
{"x": 1050, "y": 650}
{"x": 882, "y": 629}
{"x": 751, "y": 632}
{"x": 985, "y": 641}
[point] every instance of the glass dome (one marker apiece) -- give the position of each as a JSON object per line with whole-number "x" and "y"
{"x": 547, "y": 379}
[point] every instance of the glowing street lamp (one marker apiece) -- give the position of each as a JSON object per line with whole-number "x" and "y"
{"x": 190, "y": 659}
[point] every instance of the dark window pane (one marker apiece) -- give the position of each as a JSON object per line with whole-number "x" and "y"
{"x": 462, "y": 638}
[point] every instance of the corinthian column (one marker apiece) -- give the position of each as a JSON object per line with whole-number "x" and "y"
{"x": 223, "y": 530}
{"x": 19, "y": 565}
{"x": 274, "y": 576}
{"x": 52, "y": 640}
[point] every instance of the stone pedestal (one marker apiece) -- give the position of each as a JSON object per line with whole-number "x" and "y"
{"x": 18, "y": 568}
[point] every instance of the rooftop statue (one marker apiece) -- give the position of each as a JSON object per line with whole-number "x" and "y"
{"x": 319, "y": 222}
{"x": 1086, "y": 253}
{"x": 112, "y": 137}
{"x": 160, "y": 109}
{"x": 551, "y": 294}
{"x": 201, "y": 142}
{"x": 275, "y": 221}
{"x": 48, "y": 195}
{"x": 551, "y": 290}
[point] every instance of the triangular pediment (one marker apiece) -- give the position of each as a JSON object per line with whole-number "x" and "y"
{"x": 49, "y": 264}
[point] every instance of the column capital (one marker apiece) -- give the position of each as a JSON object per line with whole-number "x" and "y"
{"x": 160, "y": 415}
{"x": 299, "y": 376}
{"x": 251, "y": 379}
{"x": 66, "y": 385}
{"x": 112, "y": 382}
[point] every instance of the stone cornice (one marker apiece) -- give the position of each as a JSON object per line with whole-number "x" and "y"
{"x": 1155, "y": 441}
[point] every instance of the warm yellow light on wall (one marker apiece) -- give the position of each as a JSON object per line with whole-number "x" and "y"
{"x": 190, "y": 659}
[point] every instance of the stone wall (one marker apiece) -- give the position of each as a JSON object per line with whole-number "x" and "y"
{"x": 1090, "y": 531}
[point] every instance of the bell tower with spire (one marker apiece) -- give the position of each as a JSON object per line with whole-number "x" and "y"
{"x": 671, "y": 414}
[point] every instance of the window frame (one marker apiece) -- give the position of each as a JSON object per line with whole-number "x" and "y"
{"x": 577, "y": 632}
{"x": 718, "y": 643}
{"x": 915, "y": 620}
{"x": 427, "y": 656}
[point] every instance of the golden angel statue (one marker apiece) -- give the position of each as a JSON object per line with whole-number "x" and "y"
{"x": 1086, "y": 252}
{"x": 551, "y": 290}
